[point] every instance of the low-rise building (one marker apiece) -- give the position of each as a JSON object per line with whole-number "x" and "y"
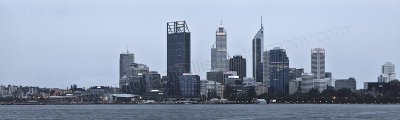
{"x": 295, "y": 86}
{"x": 346, "y": 83}
{"x": 189, "y": 84}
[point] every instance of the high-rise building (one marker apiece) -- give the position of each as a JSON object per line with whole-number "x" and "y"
{"x": 266, "y": 80}
{"x": 278, "y": 71}
{"x": 318, "y": 63}
{"x": 388, "y": 73}
{"x": 125, "y": 61}
{"x": 238, "y": 64}
{"x": 219, "y": 61}
{"x": 178, "y": 54}
{"x": 257, "y": 51}
{"x": 189, "y": 84}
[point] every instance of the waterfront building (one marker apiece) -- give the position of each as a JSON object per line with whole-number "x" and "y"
{"x": 152, "y": 81}
{"x": 388, "y": 73}
{"x": 3, "y": 91}
{"x": 219, "y": 54}
{"x": 295, "y": 86}
{"x": 178, "y": 54}
{"x": 260, "y": 90}
{"x": 321, "y": 84}
{"x": 216, "y": 88}
{"x": 203, "y": 89}
{"x": 238, "y": 64}
{"x": 133, "y": 82}
{"x": 346, "y": 83}
{"x": 233, "y": 87}
{"x": 381, "y": 87}
{"x": 133, "y": 85}
{"x": 189, "y": 85}
{"x": 307, "y": 82}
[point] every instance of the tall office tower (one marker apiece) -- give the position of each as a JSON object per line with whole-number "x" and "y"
{"x": 278, "y": 71}
{"x": 219, "y": 61}
{"x": 318, "y": 63}
{"x": 190, "y": 84}
{"x": 178, "y": 54}
{"x": 266, "y": 80}
{"x": 388, "y": 73}
{"x": 238, "y": 64}
{"x": 258, "y": 46}
{"x": 125, "y": 61}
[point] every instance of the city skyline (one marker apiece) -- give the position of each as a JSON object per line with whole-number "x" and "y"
{"x": 30, "y": 58}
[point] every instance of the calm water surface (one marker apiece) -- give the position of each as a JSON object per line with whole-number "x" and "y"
{"x": 271, "y": 111}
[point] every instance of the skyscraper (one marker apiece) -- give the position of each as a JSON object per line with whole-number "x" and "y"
{"x": 278, "y": 71}
{"x": 125, "y": 61}
{"x": 266, "y": 80}
{"x": 219, "y": 61}
{"x": 388, "y": 73}
{"x": 257, "y": 51}
{"x": 178, "y": 54}
{"x": 318, "y": 63}
{"x": 238, "y": 64}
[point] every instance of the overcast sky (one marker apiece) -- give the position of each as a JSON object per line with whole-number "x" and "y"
{"x": 56, "y": 43}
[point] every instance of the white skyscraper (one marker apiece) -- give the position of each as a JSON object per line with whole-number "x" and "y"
{"x": 318, "y": 63}
{"x": 219, "y": 54}
{"x": 388, "y": 73}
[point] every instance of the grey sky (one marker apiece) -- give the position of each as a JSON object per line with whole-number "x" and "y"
{"x": 56, "y": 43}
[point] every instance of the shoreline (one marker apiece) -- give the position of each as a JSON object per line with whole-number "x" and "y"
{"x": 18, "y": 104}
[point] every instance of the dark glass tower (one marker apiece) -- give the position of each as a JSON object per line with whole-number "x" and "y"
{"x": 278, "y": 71}
{"x": 178, "y": 54}
{"x": 257, "y": 51}
{"x": 125, "y": 62}
{"x": 238, "y": 64}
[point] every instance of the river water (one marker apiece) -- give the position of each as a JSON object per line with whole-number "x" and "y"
{"x": 185, "y": 112}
